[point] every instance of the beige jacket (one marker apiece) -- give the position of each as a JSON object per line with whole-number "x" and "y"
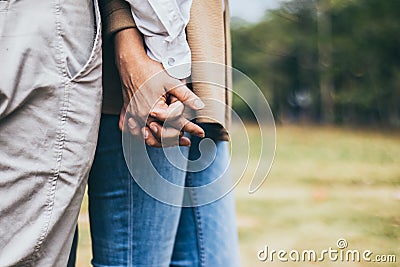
{"x": 209, "y": 40}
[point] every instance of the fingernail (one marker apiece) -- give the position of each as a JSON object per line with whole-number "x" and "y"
{"x": 145, "y": 133}
{"x": 154, "y": 128}
{"x": 185, "y": 142}
{"x": 131, "y": 124}
{"x": 198, "y": 104}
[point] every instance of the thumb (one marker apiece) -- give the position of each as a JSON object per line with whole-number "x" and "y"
{"x": 121, "y": 119}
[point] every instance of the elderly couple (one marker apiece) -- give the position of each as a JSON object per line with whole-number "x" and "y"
{"x": 52, "y": 117}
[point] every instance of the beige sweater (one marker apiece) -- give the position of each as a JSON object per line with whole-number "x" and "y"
{"x": 209, "y": 40}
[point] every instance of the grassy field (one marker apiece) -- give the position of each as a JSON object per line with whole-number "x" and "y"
{"x": 325, "y": 184}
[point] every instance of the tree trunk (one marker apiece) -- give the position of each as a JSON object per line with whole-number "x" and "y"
{"x": 325, "y": 60}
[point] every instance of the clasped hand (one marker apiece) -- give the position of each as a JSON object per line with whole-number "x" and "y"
{"x": 153, "y": 101}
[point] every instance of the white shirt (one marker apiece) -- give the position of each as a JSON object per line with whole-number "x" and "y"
{"x": 163, "y": 24}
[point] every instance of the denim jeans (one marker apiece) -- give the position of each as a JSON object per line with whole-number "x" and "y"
{"x": 130, "y": 228}
{"x": 50, "y": 101}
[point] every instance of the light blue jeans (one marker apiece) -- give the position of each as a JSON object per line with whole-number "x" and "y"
{"x": 130, "y": 228}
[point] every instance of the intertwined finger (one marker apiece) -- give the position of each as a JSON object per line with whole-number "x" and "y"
{"x": 165, "y": 112}
{"x": 160, "y": 136}
{"x": 184, "y": 94}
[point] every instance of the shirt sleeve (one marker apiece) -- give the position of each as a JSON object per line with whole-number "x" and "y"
{"x": 116, "y": 16}
{"x": 163, "y": 24}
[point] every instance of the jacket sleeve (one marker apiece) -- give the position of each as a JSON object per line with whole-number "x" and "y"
{"x": 116, "y": 16}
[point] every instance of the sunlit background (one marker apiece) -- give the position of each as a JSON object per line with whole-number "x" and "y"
{"x": 330, "y": 70}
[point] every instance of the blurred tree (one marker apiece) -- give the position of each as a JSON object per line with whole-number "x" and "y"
{"x": 367, "y": 61}
{"x": 324, "y": 37}
{"x": 326, "y": 60}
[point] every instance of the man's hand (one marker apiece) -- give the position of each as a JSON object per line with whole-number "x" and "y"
{"x": 147, "y": 88}
{"x": 155, "y": 133}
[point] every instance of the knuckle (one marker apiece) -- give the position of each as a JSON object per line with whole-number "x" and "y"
{"x": 151, "y": 142}
{"x": 186, "y": 95}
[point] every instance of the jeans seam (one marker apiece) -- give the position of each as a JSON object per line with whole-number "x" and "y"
{"x": 130, "y": 199}
{"x": 199, "y": 227}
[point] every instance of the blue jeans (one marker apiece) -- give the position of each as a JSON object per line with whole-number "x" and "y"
{"x": 130, "y": 228}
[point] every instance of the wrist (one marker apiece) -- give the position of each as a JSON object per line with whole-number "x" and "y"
{"x": 129, "y": 45}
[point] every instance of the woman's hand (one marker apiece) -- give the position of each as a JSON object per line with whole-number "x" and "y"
{"x": 148, "y": 90}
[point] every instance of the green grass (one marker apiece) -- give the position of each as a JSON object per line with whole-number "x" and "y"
{"x": 326, "y": 183}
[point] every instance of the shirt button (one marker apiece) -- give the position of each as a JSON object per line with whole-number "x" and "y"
{"x": 171, "y": 61}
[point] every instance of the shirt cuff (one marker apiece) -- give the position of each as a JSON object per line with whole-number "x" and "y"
{"x": 175, "y": 55}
